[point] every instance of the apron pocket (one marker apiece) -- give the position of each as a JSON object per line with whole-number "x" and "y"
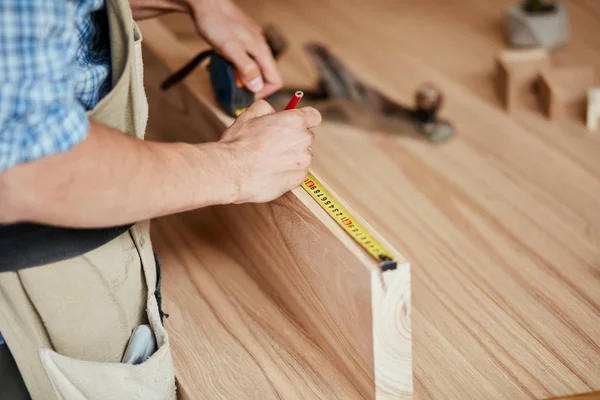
{"x": 154, "y": 379}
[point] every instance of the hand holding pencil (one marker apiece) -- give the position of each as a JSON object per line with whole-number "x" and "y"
{"x": 270, "y": 150}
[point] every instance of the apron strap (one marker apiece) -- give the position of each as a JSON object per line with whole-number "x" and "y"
{"x": 29, "y": 245}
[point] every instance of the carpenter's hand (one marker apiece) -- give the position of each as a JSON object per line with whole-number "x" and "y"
{"x": 239, "y": 39}
{"x": 270, "y": 150}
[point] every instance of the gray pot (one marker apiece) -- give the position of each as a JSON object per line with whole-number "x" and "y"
{"x": 538, "y": 30}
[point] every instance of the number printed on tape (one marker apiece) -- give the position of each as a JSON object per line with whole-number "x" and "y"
{"x": 343, "y": 217}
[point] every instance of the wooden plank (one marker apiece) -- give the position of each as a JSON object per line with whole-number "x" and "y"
{"x": 297, "y": 256}
{"x": 232, "y": 335}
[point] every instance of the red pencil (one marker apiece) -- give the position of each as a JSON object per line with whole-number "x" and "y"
{"x": 295, "y": 100}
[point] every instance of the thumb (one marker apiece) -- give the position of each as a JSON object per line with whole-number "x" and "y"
{"x": 257, "y": 109}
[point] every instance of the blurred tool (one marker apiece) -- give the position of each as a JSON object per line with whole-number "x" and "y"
{"x": 141, "y": 346}
{"x": 230, "y": 92}
{"x": 339, "y": 95}
{"x": 428, "y": 100}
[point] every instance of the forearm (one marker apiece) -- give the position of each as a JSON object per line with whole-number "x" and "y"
{"x": 110, "y": 179}
{"x": 144, "y": 9}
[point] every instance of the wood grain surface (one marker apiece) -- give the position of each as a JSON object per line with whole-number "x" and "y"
{"x": 251, "y": 338}
{"x": 501, "y": 225}
{"x": 582, "y": 396}
{"x": 314, "y": 275}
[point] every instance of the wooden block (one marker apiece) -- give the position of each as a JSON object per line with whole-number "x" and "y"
{"x": 561, "y": 88}
{"x": 593, "y": 108}
{"x": 516, "y": 72}
{"x": 271, "y": 300}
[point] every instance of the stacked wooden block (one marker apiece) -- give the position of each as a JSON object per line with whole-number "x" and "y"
{"x": 517, "y": 72}
{"x": 558, "y": 89}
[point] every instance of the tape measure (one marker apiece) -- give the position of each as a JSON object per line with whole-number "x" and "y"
{"x": 349, "y": 223}
{"x": 339, "y": 213}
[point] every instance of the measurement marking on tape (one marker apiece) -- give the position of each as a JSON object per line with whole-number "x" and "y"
{"x": 349, "y": 223}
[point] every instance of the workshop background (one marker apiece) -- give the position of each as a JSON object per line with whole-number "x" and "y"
{"x": 500, "y": 221}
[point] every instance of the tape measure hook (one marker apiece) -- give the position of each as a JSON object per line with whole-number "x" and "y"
{"x": 387, "y": 264}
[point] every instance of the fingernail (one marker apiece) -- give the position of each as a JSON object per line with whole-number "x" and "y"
{"x": 256, "y": 84}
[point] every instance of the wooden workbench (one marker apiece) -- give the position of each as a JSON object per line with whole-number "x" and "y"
{"x": 501, "y": 224}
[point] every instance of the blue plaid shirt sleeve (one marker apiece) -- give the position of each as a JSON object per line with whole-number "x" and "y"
{"x": 39, "y": 110}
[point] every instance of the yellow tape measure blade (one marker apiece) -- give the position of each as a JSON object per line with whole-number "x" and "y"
{"x": 349, "y": 223}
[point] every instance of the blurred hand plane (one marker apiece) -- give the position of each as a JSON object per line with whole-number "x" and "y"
{"x": 339, "y": 95}
{"x": 342, "y": 97}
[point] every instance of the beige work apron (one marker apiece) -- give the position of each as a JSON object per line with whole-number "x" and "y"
{"x": 67, "y": 323}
